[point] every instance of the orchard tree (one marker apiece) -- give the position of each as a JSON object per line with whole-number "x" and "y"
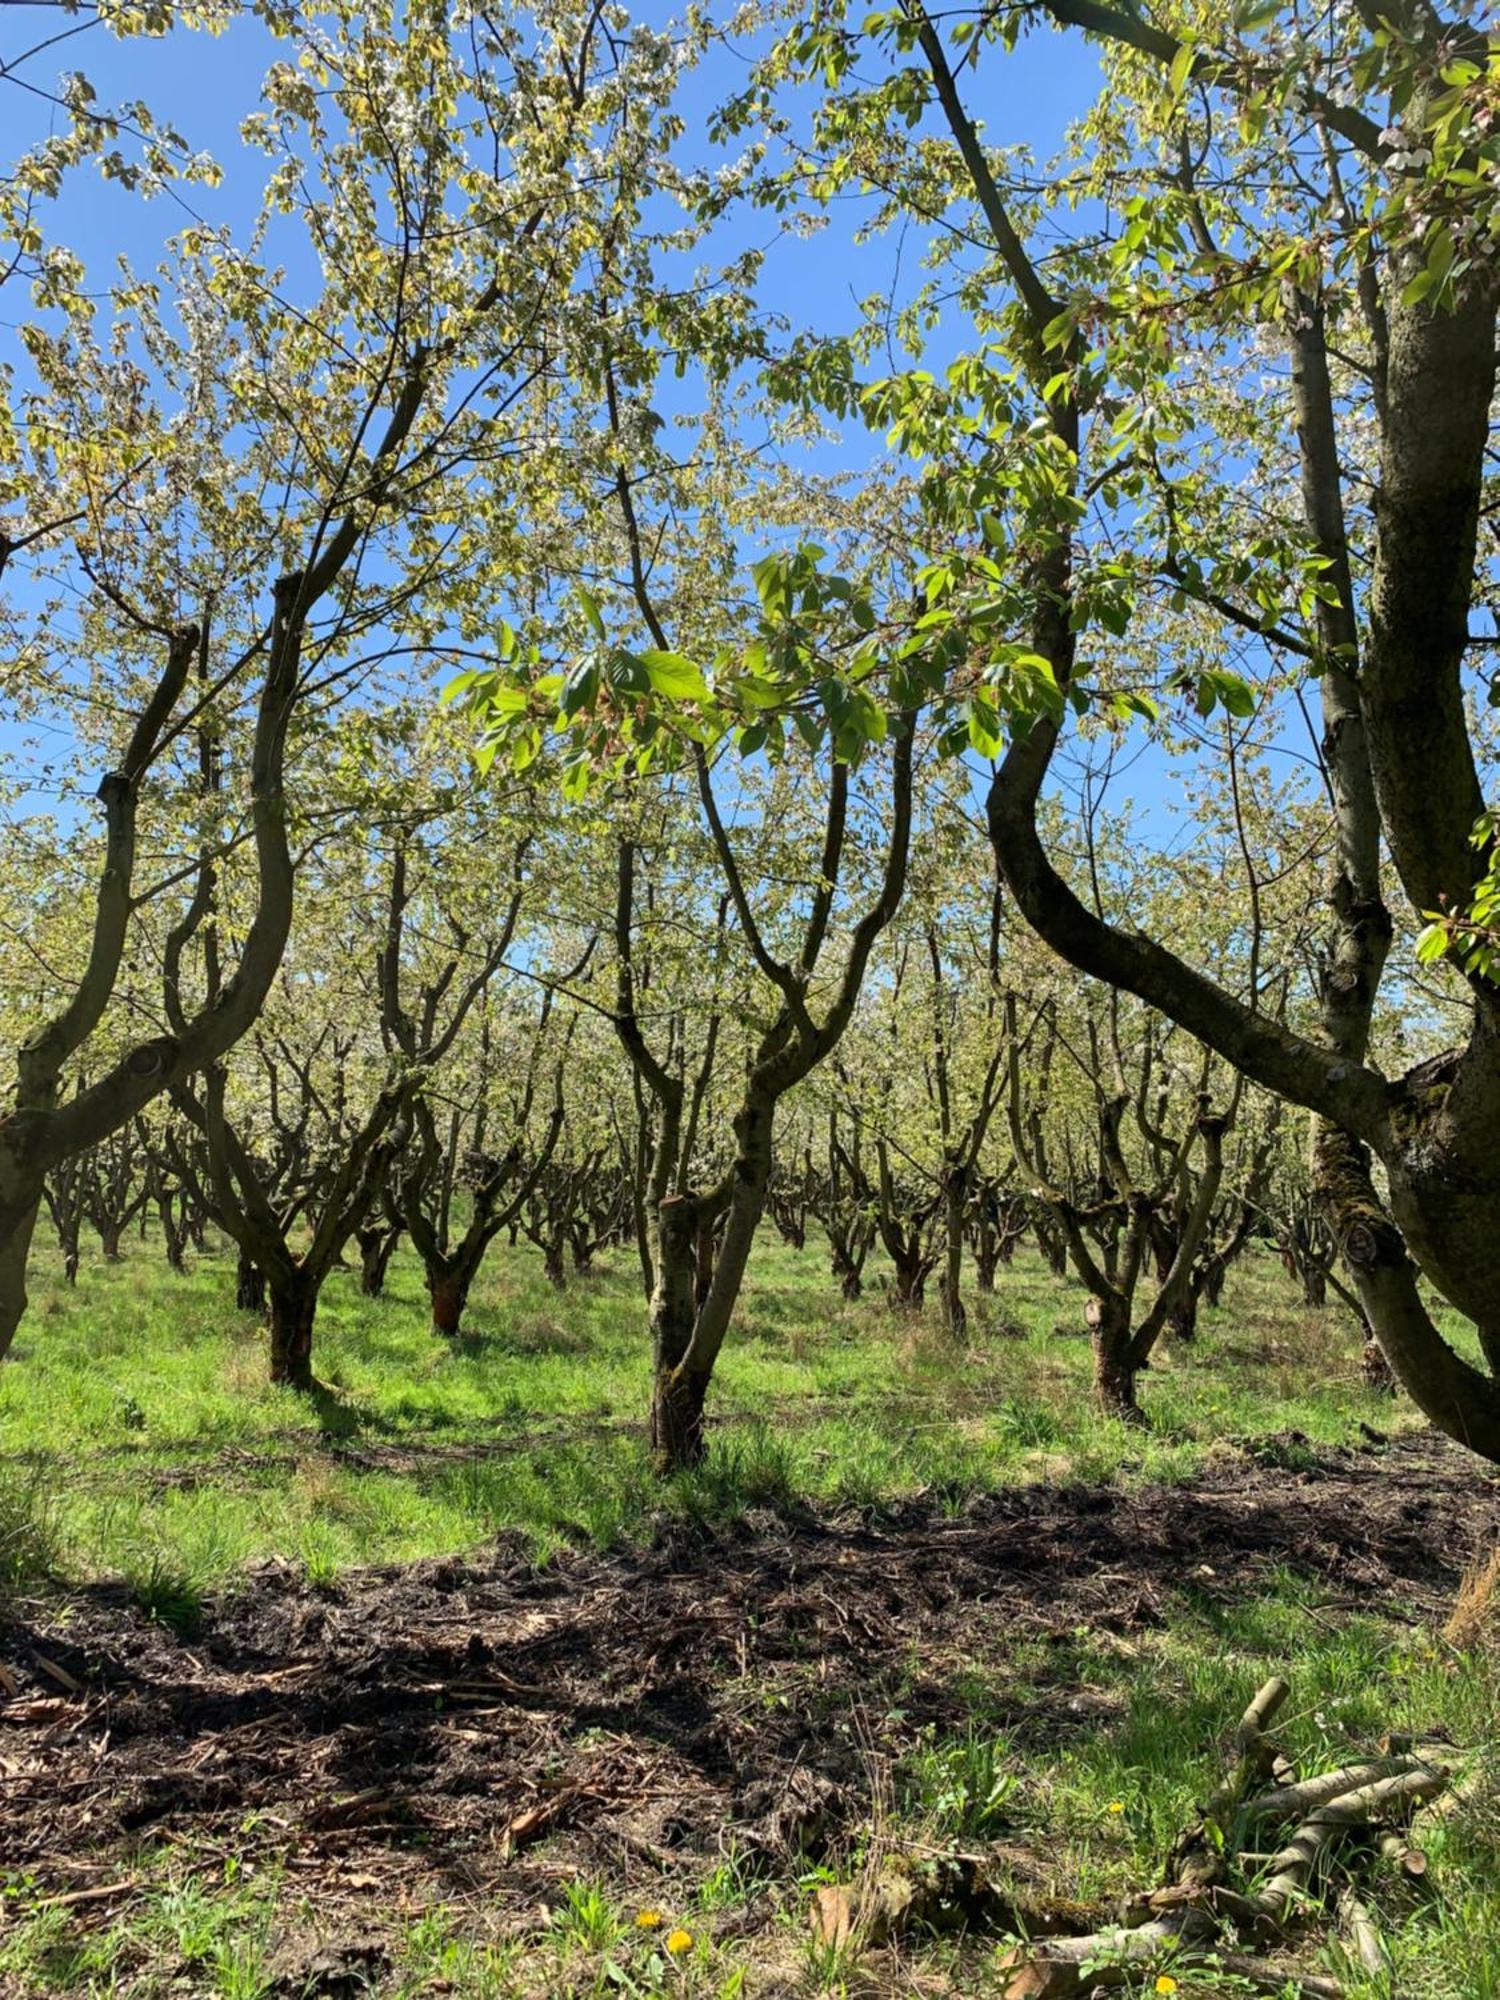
{"x": 1108, "y": 469}
{"x": 249, "y": 481}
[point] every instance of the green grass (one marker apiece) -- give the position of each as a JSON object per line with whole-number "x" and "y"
{"x": 139, "y": 1439}
{"x": 1104, "y": 1807}
{"x": 183, "y": 1464}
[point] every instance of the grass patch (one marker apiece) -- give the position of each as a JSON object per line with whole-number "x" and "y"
{"x": 193, "y": 1466}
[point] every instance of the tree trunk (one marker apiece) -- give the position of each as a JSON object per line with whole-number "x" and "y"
{"x": 1114, "y": 1359}
{"x": 553, "y": 1268}
{"x": 1053, "y": 1247}
{"x": 955, "y": 1319}
{"x": 173, "y": 1234}
{"x": 1182, "y": 1320}
{"x": 293, "y": 1309}
{"x": 911, "y": 1269}
{"x": 15, "y": 1248}
{"x": 1459, "y": 1398}
{"x": 677, "y": 1420}
{"x": 986, "y": 1257}
{"x": 706, "y": 1245}
{"x": 448, "y": 1289}
{"x": 1374, "y": 1369}
{"x": 375, "y": 1249}
{"x": 676, "y": 1401}
{"x": 249, "y": 1285}
{"x": 109, "y": 1241}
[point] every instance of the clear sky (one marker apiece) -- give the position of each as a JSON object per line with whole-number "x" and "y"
{"x": 205, "y": 85}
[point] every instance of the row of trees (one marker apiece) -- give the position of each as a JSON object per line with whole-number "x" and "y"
{"x": 464, "y": 1048}
{"x": 1210, "y": 444}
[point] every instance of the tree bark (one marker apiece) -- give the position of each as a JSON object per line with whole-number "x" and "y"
{"x": 676, "y": 1402}
{"x": 677, "y": 1420}
{"x": 1455, "y": 1396}
{"x": 448, "y": 1291}
{"x": 955, "y": 1318}
{"x": 249, "y": 1285}
{"x": 293, "y": 1308}
{"x": 376, "y": 1247}
{"x": 15, "y": 1250}
{"x": 910, "y": 1285}
{"x": 1114, "y": 1357}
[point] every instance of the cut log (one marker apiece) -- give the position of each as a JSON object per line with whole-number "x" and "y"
{"x": 1395, "y": 1848}
{"x": 1293, "y": 1867}
{"x": 1266, "y": 1705}
{"x": 1199, "y": 1856}
{"x": 1371, "y": 1801}
{"x": 1055, "y": 1970}
{"x": 1366, "y": 1946}
{"x": 1289, "y": 1801}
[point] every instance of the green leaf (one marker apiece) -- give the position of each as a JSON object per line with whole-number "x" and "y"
{"x": 460, "y": 684}
{"x": 1432, "y": 943}
{"x": 505, "y": 698}
{"x": 590, "y": 605}
{"x": 1182, "y": 69}
{"x": 675, "y": 676}
{"x": 580, "y": 687}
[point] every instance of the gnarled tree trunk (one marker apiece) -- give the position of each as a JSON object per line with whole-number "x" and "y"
{"x": 292, "y": 1309}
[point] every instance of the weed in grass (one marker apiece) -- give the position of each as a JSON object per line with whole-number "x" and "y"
{"x": 734, "y": 1881}
{"x": 586, "y": 1918}
{"x": 436, "y": 1958}
{"x": 191, "y": 1919}
{"x": 959, "y": 1785}
{"x": 239, "y": 1969}
{"x": 1025, "y": 1422}
{"x": 30, "y": 1544}
{"x": 748, "y": 1467}
{"x": 168, "y": 1596}
{"x": 43, "y": 1952}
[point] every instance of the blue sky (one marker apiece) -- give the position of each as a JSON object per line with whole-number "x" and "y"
{"x": 205, "y": 85}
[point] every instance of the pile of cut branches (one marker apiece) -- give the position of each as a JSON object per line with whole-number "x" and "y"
{"x": 1269, "y": 1852}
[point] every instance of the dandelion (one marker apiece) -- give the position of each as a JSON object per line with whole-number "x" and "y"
{"x": 1165, "y": 1983}
{"x": 1117, "y": 1805}
{"x": 650, "y": 1920}
{"x": 679, "y": 1942}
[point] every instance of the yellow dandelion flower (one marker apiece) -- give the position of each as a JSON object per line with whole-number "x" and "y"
{"x": 1117, "y": 1805}
{"x": 679, "y": 1942}
{"x": 1165, "y": 1983}
{"x": 650, "y": 1920}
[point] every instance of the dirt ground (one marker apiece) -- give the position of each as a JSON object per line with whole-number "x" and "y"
{"x": 486, "y": 1727}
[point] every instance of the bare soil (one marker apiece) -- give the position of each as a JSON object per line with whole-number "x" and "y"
{"x": 485, "y": 1728}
